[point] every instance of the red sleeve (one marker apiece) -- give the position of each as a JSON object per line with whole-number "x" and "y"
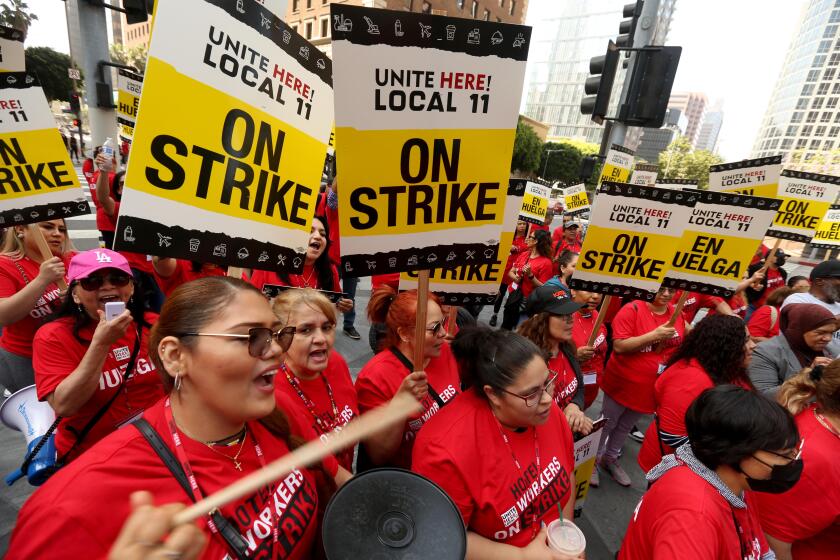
{"x": 432, "y": 460}
{"x": 370, "y": 388}
{"x": 684, "y": 534}
{"x": 706, "y": 301}
{"x": 555, "y": 235}
{"x": 51, "y": 365}
{"x": 542, "y": 269}
{"x": 11, "y": 280}
{"x": 759, "y": 323}
{"x": 624, "y": 324}
{"x": 336, "y": 279}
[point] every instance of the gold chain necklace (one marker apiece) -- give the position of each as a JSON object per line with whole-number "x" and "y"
{"x": 236, "y": 464}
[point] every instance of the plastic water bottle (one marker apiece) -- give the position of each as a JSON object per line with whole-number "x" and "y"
{"x": 108, "y": 148}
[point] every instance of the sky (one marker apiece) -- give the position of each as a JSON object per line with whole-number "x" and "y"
{"x": 732, "y": 51}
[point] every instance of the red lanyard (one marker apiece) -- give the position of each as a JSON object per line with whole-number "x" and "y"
{"x": 534, "y": 526}
{"x": 310, "y": 405}
{"x": 825, "y": 423}
{"x": 197, "y": 495}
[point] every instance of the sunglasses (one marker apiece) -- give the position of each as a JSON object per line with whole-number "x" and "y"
{"x": 439, "y": 328}
{"x": 532, "y": 399}
{"x": 259, "y": 339}
{"x": 116, "y": 279}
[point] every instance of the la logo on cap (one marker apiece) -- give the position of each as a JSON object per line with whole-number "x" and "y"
{"x": 102, "y": 257}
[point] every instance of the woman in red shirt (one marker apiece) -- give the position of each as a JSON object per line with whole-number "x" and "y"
{"x": 434, "y": 382}
{"x": 85, "y": 363}
{"x": 692, "y": 369}
{"x": 550, "y": 328}
{"x": 502, "y": 450}
{"x": 171, "y": 273}
{"x": 318, "y": 270}
{"x": 517, "y": 246}
{"x": 764, "y": 322}
{"x": 532, "y": 269}
{"x": 314, "y": 376}
{"x": 29, "y": 295}
{"x": 591, "y": 358}
{"x": 218, "y": 349}
{"x": 642, "y": 345}
{"x": 804, "y": 522}
{"x": 701, "y": 503}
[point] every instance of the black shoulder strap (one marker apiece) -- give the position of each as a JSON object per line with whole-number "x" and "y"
{"x": 236, "y": 543}
{"x": 407, "y": 363}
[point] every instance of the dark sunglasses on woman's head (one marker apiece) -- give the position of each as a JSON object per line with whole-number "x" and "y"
{"x": 259, "y": 338}
{"x": 117, "y": 279}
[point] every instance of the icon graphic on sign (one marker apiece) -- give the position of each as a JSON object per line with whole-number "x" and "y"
{"x": 281, "y": 260}
{"x": 398, "y": 29}
{"x": 470, "y": 255}
{"x": 431, "y": 258}
{"x": 263, "y": 257}
{"x": 194, "y": 243}
{"x": 392, "y": 262}
{"x": 342, "y": 23}
{"x": 65, "y": 209}
{"x": 425, "y": 31}
{"x": 296, "y": 262}
{"x": 466, "y": 299}
{"x": 304, "y": 52}
{"x": 128, "y": 235}
{"x": 347, "y": 267}
{"x": 18, "y": 218}
{"x": 164, "y": 240}
{"x": 371, "y": 265}
{"x": 34, "y": 214}
{"x": 451, "y": 256}
{"x": 242, "y": 253}
{"x": 11, "y": 80}
{"x": 488, "y": 253}
{"x": 519, "y": 40}
{"x": 50, "y": 212}
{"x": 450, "y": 32}
{"x": 496, "y": 38}
{"x": 2, "y": 219}
{"x": 412, "y": 260}
{"x": 265, "y": 22}
{"x": 83, "y": 206}
{"x": 239, "y": 7}
{"x": 320, "y": 64}
{"x": 287, "y": 36}
{"x": 373, "y": 29}
{"x": 220, "y": 250}
{"x": 474, "y": 37}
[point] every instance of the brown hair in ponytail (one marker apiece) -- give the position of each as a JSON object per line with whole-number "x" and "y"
{"x": 818, "y": 383}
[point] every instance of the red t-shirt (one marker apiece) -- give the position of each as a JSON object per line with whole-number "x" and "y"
{"x": 762, "y": 324}
{"x": 380, "y": 379}
{"x": 629, "y": 377}
{"x": 574, "y": 247}
{"x": 309, "y": 279}
{"x": 738, "y": 305}
{"x": 614, "y": 306}
{"x": 82, "y": 509}
{"x": 58, "y": 353}
{"x": 772, "y": 279}
{"x": 379, "y": 280}
{"x": 683, "y": 516}
{"x": 323, "y": 209}
{"x": 541, "y": 267}
{"x": 462, "y": 450}
{"x": 567, "y": 384}
{"x": 593, "y": 368}
{"x": 337, "y": 375}
{"x": 516, "y": 247}
{"x": 809, "y": 514}
{"x": 17, "y": 337}
{"x": 184, "y": 273}
{"x": 695, "y": 302}
{"x": 87, "y": 171}
{"x": 104, "y": 222}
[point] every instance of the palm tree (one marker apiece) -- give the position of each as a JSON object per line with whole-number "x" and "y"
{"x": 15, "y": 13}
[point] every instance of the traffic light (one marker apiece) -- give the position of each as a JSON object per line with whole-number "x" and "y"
{"x": 627, "y": 28}
{"x": 76, "y": 123}
{"x": 137, "y": 11}
{"x": 598, "y": 86}
{"x": 650, "y": 87}
{"x": 75, "y": 103}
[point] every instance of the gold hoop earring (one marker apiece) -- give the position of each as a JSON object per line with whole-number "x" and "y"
{"x": 178, "y": 381}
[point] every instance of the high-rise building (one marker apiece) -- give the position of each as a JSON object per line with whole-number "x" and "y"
{"x": 692, "y": 104}
{"x": 311, "y": 18}
{"x": 707, "y": 138}
{"x": 656, "y": 140}
{"x": 804, "y": 110}
{"x": 570, "y": 32}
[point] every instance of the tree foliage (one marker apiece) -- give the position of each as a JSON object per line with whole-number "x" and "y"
{"x": 134, "y": 56}
{"x": 15, "y": 13}
{"x": 679, "y": 161}
{"x": 561, "y": 161}
{"x": 526, "y": 150}
{"x": 51, "y": 68}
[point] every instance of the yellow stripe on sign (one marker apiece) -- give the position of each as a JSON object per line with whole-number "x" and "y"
{"x": 768, "y": 191}
{"x": 614, "y": 173}
{"x": 626, "y": 254}
{"x": 534, "y": 206}
{"x": 714, "y": 256}
{"x": 426, "y": 180}
{"x": 34, "y": 162}
{"x": 799, "y": 214}
{"x": 575, "y": 201}
{"x": 127, "y": 104}
{"x": 210, "y": 151}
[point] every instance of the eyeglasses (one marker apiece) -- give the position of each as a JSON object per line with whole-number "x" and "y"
{"x": 788, "y": 457}
{"x": 116, "y": 279}
{"x": 569, "y": 319}
{"x": 308, "y": 331}
{"x": 532, "y": 399}
{"x": 259, "y": 339}
{"x": 438, "y": 329}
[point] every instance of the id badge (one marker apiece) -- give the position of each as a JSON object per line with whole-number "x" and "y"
{"x": 514, "y": 286}
{"x": 590, "y": 378}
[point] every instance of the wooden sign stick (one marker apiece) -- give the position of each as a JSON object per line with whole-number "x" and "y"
{"x": 605, "y": 304}
{"x": 420, "y": 322}
{"x": 678, "y": 309}
{"x": 771, "y": 255}
{"x": 394, "y": 412}
{"x": 452, "y": 320}
{"x": 46, "y": 252}
{"x": 234, "y": 271}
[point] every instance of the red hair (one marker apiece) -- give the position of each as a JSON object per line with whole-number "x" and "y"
{"x": 396, "y": 310}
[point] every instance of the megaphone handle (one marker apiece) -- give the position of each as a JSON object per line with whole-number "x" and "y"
{"x": 13, "y": 477}
{"x": 31, "y": 457}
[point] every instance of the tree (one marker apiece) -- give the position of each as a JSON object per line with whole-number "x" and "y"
{"x": 51, "y": 68}
{"x": 679, "y": 161}
{"x": 560, "y": 162}
{"x": 526, "y": 150}
{"x": 15, "y": 13}
{"x": 135, "y": 56}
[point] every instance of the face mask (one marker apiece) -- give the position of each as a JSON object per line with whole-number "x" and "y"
{"x": 782, "y": 478}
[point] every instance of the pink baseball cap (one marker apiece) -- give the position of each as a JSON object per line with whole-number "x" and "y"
{"x": 84, "y": 264}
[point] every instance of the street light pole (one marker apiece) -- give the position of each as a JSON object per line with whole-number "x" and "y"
{"x": 545, "y": 166}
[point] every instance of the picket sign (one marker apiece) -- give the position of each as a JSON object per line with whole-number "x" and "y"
{"x": 678, "y": 309}
{"x": 605, "y": 304}
{"x": 44, "y": 248}
{"x": 420, "y": 321}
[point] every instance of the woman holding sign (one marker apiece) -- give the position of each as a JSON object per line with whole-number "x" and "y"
{"x": 531, "y": 270}
{"x": 516, "y": 247}
{"x": 218, "y": 349}
{"x": 502, "y": 451}
{"x": 29, "y": 294}
{"x": 434, "y": 382}
{"x": 592, "y": 358}
{"x": 314, "y": 377}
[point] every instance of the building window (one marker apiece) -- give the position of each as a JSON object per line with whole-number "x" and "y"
{"x": 325, "y": 27}
{"x": 486, "y": 15}
{"x": 807, "y": 130}
{"x": 474, "y": 12}
{"x": 812, "y": 116}
{"x": 826, "y": 116}
{"x": 460, "y": 4}
{"x": 824, "y": 47}
{"x": 834, "y": 17}
{"x": 831, "y": 103}
{"x": 823, "y": 89}
{"x": 815, "y": 144}
{"x": 295, "y": 5}
{"x": 807, "y": 89}
{"x": 834, "y": 131}
{"x": 308, "y": 4}
{"x": 801, "y": 143}
{"x": 820, "y": 131}
{"x": 829, "y": 74}
{"x": 813, "y": 75}
{"x": 830, "y": 32}
{"x": 307, "y": 30}
{"x": 797, "y": 117}
{"x": 835, "y": 88}
{"x": 786, "y": 144}
{"x": 834, "y": 60}
{"x": 818, "y": 103}
{"x": 791, "y": 130}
